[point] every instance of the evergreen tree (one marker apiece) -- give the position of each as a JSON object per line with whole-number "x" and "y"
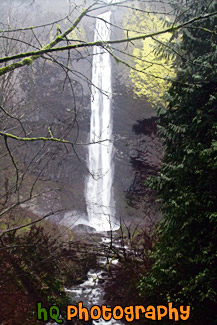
{"x": 185, "y": 257}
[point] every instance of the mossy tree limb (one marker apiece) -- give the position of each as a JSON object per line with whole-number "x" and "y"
{"x": 29, "y": 57}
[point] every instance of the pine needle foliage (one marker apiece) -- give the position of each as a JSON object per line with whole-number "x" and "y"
{"x": 185, "y": 257}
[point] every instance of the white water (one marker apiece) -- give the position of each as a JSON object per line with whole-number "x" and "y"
{"x": 91, "y": 291}
{"x": 99, "y": 192}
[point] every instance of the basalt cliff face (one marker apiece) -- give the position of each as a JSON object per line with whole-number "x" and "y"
{"x": 52, "y": 104}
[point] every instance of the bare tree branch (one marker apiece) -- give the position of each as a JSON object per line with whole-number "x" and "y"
{"x": 29, "y": 223}
{"x": 29, "y": 57}
{"x": 14, "y": 137}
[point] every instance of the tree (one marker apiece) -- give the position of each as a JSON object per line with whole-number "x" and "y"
{"x": 184, "y": 269}
{"x": 26, "y": 49}
{"x": 150, "y": 68}
{"x": 34, "y": 51}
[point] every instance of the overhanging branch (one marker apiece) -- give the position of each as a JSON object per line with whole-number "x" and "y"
{"x": 25, "y": 139}
{"x": 29, "y": 57}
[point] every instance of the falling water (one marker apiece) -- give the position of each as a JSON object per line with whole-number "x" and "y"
{"x": 99, "y": 192}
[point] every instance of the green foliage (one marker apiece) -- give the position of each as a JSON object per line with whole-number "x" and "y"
{"x": 185, "y": 257}
{"x": 150, "y": 69}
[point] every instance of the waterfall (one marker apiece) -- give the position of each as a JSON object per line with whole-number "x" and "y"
{"x": 99, "y": 192}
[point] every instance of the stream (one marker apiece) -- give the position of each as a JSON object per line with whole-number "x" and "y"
{"x": 91, "y": 291}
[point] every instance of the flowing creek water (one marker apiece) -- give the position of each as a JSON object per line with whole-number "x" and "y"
{"x": 91, "y": 291}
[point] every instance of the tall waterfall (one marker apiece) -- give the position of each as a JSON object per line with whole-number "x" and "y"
{"x": 99, "y": 192}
